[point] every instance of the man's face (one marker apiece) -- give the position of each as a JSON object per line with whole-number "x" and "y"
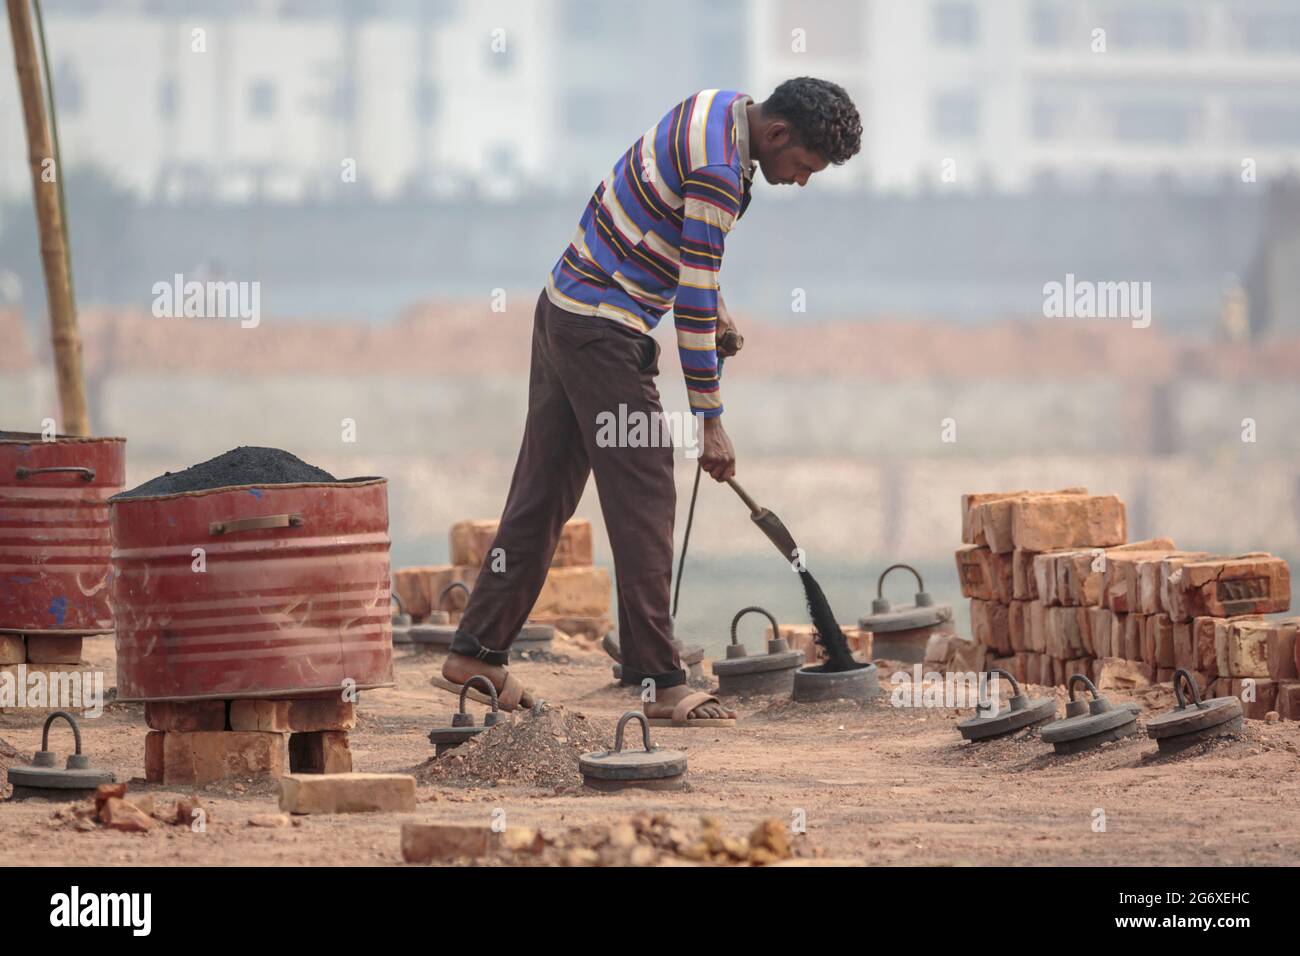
{"x": 784, "y": 161}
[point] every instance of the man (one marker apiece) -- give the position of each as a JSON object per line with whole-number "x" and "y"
{"x": 651, "y": 238}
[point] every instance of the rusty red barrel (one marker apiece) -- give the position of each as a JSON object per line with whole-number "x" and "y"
{"x": 54, "y": 536}
{"x": 253, "y": 591}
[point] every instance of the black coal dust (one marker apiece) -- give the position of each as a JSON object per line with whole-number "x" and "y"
{"x": 245, "y": 465}
{"x": 829, "y": 635}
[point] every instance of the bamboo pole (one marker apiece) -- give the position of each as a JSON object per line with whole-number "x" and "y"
{"x": 49, "y": 221}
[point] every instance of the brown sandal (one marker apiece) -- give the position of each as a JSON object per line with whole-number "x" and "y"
{"x": 508, "y": 696}
{"x": 681, "y": 713}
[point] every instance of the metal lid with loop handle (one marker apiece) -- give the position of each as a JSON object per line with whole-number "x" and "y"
{"x": 1187, "y": 723}
{"x": 438, "y": 629}
{"x": 462, "y": 722}
{"x": 1090, "y": 723}
{"x": 534, "y": 636}
{"x": 44, "y": 778}
{"x": 619, "y": 769}
{"x": 1022, "y": 711}
{"x": 768, "y": 673}
{"x": 401, "y": 621}
{"x": 900, "y": 633}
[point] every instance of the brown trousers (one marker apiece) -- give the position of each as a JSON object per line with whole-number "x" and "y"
{"x": 583, "y": 366}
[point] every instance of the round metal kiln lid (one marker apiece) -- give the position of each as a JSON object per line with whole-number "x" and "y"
{"x": 1194, "y": 716}
{"x": 884, "y": 617}
{"x": 779, "y": 656}
{"x": 618, "y": 764}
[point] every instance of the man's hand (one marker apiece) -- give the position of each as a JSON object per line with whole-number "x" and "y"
{"x": 717, "y": 457}
{"x": 728, "y": 337}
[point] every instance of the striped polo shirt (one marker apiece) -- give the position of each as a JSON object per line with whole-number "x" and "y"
{"x": 651, "y": 238}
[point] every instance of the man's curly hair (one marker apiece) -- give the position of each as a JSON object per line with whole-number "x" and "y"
{"x": 823, "y": 116}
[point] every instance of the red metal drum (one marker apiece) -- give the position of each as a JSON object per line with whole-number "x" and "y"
{"x": 54, "y": 537}
{"x": 253, "y": 591}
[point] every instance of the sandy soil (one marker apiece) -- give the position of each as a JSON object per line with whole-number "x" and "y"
{"x": 880, "y": 784}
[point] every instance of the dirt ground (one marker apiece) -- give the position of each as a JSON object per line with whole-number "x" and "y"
{"x": 877, "y": 784}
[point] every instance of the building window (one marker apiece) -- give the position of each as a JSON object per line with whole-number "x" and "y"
{"x": 586, "y": 112}
{"x": 1048, "y": 119}
{"x": 1275, "y": 124}
{"x": 1047, "y": 24}
{"x": 1151, "y": 28}
{"x": 68, "y": 93}
{"x": 168, "y": 98}
{"x": 261, "y": 99}
{"x": 955, "y": 23}
{"x": 1153, "y": 122}
{"x": 503, "y": 60}
{"x": 342, "y": 102}
{"x": 829, "y": 28}
{"x": 425, "y": 103}
{"x": 956, "y": 116}
{"x": 590, "y": 17}
{"x": 502, "y": 159}
{"x": 1274, "y": 32}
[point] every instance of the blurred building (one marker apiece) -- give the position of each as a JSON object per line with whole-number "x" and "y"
{"x": 1008, "y": 92}
{"x": 235, "y": 99}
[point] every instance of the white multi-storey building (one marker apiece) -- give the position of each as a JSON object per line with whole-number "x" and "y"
{"x": 492, "y": 97}
{"x": 1007, "y": 92}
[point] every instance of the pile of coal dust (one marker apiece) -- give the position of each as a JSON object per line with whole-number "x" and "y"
{"x": 829, "y": 633}
{"x": 245, "y": 465}
{"x": 522, "y": 749}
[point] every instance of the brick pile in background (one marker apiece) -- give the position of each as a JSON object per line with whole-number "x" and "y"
{"x": 575, "y": 598}
{"x": 1056, "y": 590}
{"x": 803, "y": 637}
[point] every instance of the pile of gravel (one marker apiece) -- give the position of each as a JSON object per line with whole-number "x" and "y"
{"x": 245, "y": 465}
{"x": 522, "y": 749}
{"x": 8, "y": 758}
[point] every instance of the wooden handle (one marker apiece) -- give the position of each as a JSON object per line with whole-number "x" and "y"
{"x": 753, "y": 505}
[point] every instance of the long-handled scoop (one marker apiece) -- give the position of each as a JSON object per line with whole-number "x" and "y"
{"x": 829, "y": 635}
{"x": 768, "y": 523}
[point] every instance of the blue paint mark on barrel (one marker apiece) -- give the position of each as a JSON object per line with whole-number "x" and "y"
{"x": 59, "y": 608}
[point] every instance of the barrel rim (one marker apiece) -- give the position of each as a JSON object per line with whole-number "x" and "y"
{"x": 39, "y": 439}
{"x": 280, "y": 694}
{"x": 362, "y": 482}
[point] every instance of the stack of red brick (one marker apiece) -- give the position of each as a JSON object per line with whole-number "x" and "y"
{"x": 575, "y": 597}
{"x": 1055, "y": 590}
{"x": 203, "y": 741}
